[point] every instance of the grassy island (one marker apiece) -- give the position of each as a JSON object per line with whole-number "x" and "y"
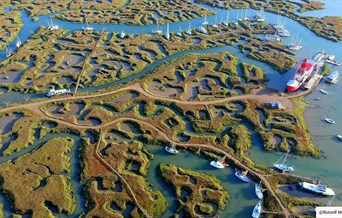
{"x": 10, "y": 26}
{"x": 197, "y": 194}
{"x": 36, "y": 182}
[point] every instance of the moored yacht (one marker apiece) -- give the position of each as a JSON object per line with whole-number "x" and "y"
{"x": 171, "y": 149}
{"x": 179, "y": 33}
{"x": 157, "y": 30}
{"x": 332, "y": 77}
{"x": 328, "y": 120}
{"x": 242, "y": 175}
{"x": 18, "y": 43}
{"x": 202, "y": 29}
{"x": 257, "y": 210}
{"x": 317, "y": 189}
{"x": 167, "y": 34}
{"x": 220, "y": 163}
{"x": 87, "y": 27}
{"x": 53, "y": 92}
{"x": 258, "y": 192}
{"x": 51, "y": 26}
{"x": 122, "y": 35}
{"x": 282, "y": 166}
{"x": 188, "y": 31}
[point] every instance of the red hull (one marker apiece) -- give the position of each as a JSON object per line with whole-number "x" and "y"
{"x": 292, "y": 89}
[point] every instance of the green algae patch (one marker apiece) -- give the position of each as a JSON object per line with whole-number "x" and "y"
{"x": 35, "y": 180}
{"x": 197, "y": 194}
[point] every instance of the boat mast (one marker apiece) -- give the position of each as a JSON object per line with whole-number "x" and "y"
{"x": 287, "y": 153}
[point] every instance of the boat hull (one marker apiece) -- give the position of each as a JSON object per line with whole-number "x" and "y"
{"x": 217, "y": 164}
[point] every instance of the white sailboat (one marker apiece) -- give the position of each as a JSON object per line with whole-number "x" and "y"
{"x": 122, "y": 35}
{"x": 294, "y": 45}
{"x": 157, "y": 31}
{"x": 87, "y": 27}
{"x": 51, "y": 26}
{"x": 257, "y": 210}
{"x": 258, "y": 191}
{"x": 18, "y": 43}
{"x": 202, "y": 29}
{"x": 9, "y": 52}
{"x": 171, "y": 149}
{"x": 282, "y": 166}
{"x": 188, "y": 31}
{"x": 167, "y": 34}
{"x": 220, "y": 164}
{"x": 205, "y": 22}
{"x": 214, "y": 25}
{"x": 179, "y": 33}
{"x": 246, "y": 18}
{"x": 226, "y": 22}
{"x": 260, "y": 16}
{"x": 242, "y": 175}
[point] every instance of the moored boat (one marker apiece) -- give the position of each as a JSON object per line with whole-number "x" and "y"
{"x": 202, "y": 29}
{"x": 317, "y": 189}
{"x": 328, "y": 120}
{"x": 334, "y": 62}
{"x": 303, "y": 72}
{"x": 323, "y": 91}
{"x": 242, "y": 175}
{"x": 258, "y": 192}
{"x": 339, "y": 137}
{"x": 54, "y": 92}
{"x": 171, "y": 150}
{"x": 282, "y": 166}
{"x": 332, "y": 77}
{"x": 273, "y": 38}
{"x": 257, "y": 210}
{"x": 122, "y": 35}
{"x": 188, "y": 31}
{"x": 220, "y": 163}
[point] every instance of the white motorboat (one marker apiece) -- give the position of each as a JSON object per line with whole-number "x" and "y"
{"x": 202, "y": 29}
{"x": 54, "y": 92}
{"x": 328, "y": 120}
{"x": 220, "y": 164}
{"x": 323, "y": 91}
{"x": 257, "y": 210}
{"x": 317, "y": 189}
{"x": 339, "y": 137}
{"x": 282, "y": 166}
{"x": 258, "y": 192}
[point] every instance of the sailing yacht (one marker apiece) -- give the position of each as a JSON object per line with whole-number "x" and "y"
{"x": 179, "y": 33}
{"x": 227, "y": 20}
{"x": 188, "y": 31}
{"x": 242, "y": 175}
{"x": 171, "y": 149}
{"x": 220, "y": 164}
{"x": 294, "y": 45}
{"x": 214, "y": 25}
{"x": 246, "y": 18}
{"x": 157, "y": 31}
{"x": 257, "y": 210}
{"x": 282, "y": 166}
{"x": 122, "y": 35}
{"x": 205, "y": 22}
{"x": 202, "y": 29}
{"x": 260, "y": 16}
{"x": 51, "y": 26}
{"x": 87, "y": 27}
{"x": 258, "y": 191}
{"x": 9, "y": 52}
{"x": 167, "y": 34}
{"x": 18, "y": 43}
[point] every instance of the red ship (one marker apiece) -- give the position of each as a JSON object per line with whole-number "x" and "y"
{"x": 301, "y": 75}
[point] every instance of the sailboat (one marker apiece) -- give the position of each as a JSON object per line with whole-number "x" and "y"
{"x": 87, "y": 27}
{"x": 214, "y": 25}
{"x": 282, "y": 166}
{"x": 167, "y": 34}
{"x": 294, "y": 45}
{"x": 227, "y": 20}
{"x": 179, "y": 33}
{"x": 220, "y": 164}
{"x": 188, "y": 31}
{"x": 51, "y": 26}
{"x": 122, "y": 35}
{"x": 9, "y": 52}
{"x": 202, "y": 29}
{"x": 257, "y": 210}
{"x": 171, "y": 149}
{"x": 157, "y": 31}
{"x": 242, "y": 175}
{"x": 205, "y": 22}
{"x": 258, "y": 191}
{"x": 18, "y": 43}
{"x": 246, "y": 18}
{"x": 260, "y": 17}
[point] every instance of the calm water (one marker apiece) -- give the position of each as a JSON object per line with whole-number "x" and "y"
{"x": 327, "y": 169}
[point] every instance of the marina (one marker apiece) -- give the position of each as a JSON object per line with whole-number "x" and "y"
{"x": 310, "y": 84}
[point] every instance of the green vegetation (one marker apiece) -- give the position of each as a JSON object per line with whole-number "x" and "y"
{"x": 196, "y": 192}
{"x": 326, "y": 70}
{"x": 10, "y": 26}
{"x": 38, "y": 178}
